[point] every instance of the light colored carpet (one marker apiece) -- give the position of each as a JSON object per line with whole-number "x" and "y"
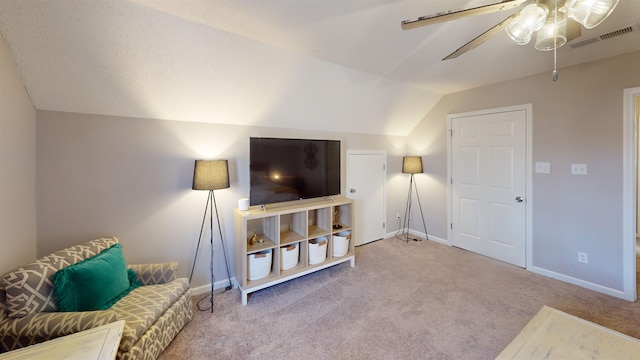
{"x": 416, "y": 300}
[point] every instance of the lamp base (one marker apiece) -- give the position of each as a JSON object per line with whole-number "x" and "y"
{"x": 209, "y": 207}
{"x": 407, "y": 214}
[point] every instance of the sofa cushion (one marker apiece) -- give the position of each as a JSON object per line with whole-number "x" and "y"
{"x": 29, "y": 289}
{"x": 143, "y": 306}
{"x": 95, "y": 283}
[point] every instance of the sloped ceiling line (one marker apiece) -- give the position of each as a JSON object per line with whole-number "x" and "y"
{"x": 315, "y": 64}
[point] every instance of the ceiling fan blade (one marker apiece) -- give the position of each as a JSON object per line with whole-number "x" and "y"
{"x": 457, "y": 14}
{"x": 574, "y": 30}
{"x": 480, "y": 39}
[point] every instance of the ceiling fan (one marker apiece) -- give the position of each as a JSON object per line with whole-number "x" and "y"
{"x": 553, "y": 21}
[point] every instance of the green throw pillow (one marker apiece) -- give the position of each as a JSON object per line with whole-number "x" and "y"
{"x": 95, "y": 283}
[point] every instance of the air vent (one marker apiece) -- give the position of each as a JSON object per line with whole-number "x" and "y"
{"x": 606, "y": 36}
{"x": 584, "y": 43}
{"x": 609, "y": 35}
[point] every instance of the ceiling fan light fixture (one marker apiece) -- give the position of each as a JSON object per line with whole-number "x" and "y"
{"x": 590, "y": 13}
{"x": 528, "y": 21}
{"x": 552, "y": 35}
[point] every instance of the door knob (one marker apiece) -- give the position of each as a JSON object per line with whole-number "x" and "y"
{"x": 519, "y": 199}
{"x": 352, "y": 190}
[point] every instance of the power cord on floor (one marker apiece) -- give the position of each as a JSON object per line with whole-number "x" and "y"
{"x": 209, "y": 298}
{"x": 401, "y": 231}
{"x": 199, "y": 303}
{"x": 405, "y": 239}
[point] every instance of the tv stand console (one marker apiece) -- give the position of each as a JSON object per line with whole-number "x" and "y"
{"x": 290, "y": 224}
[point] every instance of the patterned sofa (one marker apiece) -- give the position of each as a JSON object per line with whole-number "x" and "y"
{"x": 154, "y": 312}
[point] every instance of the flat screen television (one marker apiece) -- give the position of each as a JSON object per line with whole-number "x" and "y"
{"x": 292, "y": 169}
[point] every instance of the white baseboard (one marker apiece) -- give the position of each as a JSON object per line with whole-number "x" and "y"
{"x": 575, "y": 281}
{"x": 541, "y": 271}
{"x": 204, "y": 289}
{"x": 568, "y": 279}
{"x": 221, "y": 284}
{"x": 422, "y": 235}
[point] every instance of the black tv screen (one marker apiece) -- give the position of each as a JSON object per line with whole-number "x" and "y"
{"x": 292, "y": 169}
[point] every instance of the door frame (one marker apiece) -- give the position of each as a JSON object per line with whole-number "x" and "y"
{"x": 528, "y": 109}
{"x": 384, "y": 183}
{"x": 629, "y": 194}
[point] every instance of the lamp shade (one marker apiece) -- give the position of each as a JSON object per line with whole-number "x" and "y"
{"x": 412, "y": 164}
{"x": 552, "y": 35}
{"x": 528, "y": 21}
{"x": 590, "y": 13}
{"x": 210, "y": 175}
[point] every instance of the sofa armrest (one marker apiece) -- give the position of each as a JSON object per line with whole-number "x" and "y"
{"x": 50, "y": 325}
{"x": 160, "y": 273}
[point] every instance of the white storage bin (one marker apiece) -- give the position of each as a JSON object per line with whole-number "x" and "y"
{"x": 289, "y": 256}
{"x": 317, "y": 250}
{"x": 259, "y": 265}
{"x": 341, "y": 243}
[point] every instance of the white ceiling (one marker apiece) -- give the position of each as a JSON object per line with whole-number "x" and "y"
{"x": 342, "y": 65}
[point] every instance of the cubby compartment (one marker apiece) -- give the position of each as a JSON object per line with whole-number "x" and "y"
{"x": 341, "y": 217}
{"x": 284, "y": 241}
{"x": 262, "y": 233}
{"x": 293, "y": 227}
{"x": 319, "y": 222}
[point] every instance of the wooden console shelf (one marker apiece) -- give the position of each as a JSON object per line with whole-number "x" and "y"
{"x": 299, "y": 224}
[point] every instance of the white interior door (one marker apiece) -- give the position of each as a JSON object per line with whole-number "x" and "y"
{"x": 488, "y": 183}
{"x": 366, "y": 185}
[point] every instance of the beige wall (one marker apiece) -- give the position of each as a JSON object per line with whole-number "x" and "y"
{"x": 130, "y": 177}
{"x": 577, "y": 119}
{"x": 17, "y": 168}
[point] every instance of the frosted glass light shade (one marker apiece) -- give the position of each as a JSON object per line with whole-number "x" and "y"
{"x": 590, "y": 13}
{"x": 552, "y": 35}
{"x": 522, "y": 27}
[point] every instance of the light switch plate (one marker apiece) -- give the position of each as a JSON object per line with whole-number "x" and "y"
{"x": 579, "y": 169}
{"x": 543, "y": 168}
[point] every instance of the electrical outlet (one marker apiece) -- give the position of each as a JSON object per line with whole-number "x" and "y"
{"x": 583, "y": 258}
{"x": 579, "y": 169}
{"x": 543, "y": 168}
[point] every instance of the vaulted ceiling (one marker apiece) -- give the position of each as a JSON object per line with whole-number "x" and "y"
{"x": 343, "y": 65}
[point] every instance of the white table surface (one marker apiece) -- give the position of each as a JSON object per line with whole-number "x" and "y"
{"x": 553, "y": 334}
{"x": 100, "y": 343}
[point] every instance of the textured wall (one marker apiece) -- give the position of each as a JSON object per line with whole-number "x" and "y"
{"x": 17, "y": 168}
{"x": 577, "y": 119}
{"x": 128, "y": 177}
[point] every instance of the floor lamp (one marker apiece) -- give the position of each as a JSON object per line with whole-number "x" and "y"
{"x": 412, "y": 165}
{"x": 211, "y": 175}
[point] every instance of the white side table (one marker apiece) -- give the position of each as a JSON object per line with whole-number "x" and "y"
{"x": 553, "y": 334}
{"x": 99, "y": 343}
